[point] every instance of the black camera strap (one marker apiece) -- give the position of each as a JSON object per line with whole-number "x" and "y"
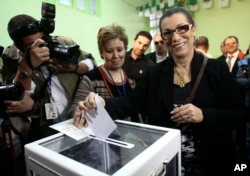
{"x": 7, "y": 148}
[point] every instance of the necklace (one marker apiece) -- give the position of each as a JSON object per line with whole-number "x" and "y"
{"x": 181, "y": 79}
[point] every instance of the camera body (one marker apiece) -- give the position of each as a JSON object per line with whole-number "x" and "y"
{"x": 64, "y": 53}
{"x": 12, "y": 92}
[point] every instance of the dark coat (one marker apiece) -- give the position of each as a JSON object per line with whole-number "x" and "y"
{"x": 239, "y": 135}
{"x": 152, "y": 56}
{"x": 217, "y": 96}
{"x": 222, "y": 57}
{"x": 136, "y": 69}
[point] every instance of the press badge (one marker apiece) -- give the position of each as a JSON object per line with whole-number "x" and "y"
{"x": 51, "y": 111}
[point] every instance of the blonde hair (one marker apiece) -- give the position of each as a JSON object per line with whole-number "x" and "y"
{"x": 111, "y": 32}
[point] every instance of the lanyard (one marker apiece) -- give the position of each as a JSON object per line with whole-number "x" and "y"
{"x": 122, "y": 78}
{"x": 47, "y": 74}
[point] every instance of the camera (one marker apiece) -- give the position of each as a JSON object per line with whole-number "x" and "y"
{"x": 12, "y": 92}
{"x": 65, "y": 53}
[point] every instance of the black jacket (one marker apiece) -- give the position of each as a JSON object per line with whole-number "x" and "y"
{"x": 152, "y": 56}
{"x": 136, "y": 69}
{"x": 217, "y": 96}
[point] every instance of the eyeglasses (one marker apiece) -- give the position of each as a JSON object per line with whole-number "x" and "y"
{"x": 179, "y": 30}
{"x": 160, "y": 42}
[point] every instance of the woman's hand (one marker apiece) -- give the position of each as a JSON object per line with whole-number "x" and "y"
{"x": 79, "y": 119}
{"x": 187, "y": 113}
{"x": 88, "y": 104}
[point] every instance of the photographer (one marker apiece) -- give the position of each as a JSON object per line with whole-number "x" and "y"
{"x": 51, "y": 82}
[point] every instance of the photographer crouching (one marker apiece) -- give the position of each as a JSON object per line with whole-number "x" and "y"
{"x": 49, "y": 70}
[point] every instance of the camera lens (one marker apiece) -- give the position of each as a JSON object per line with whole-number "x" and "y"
{"x": 11, "y": 92}
{"x": 66, "y": 53}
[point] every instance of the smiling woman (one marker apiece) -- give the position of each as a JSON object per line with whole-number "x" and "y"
{"x": 109, "y": 79}
{"x": 206, "y": 123}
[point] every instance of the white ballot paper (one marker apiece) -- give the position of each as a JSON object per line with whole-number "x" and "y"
{"x": 68, "y": 128}
{"x": 100, "y": 124}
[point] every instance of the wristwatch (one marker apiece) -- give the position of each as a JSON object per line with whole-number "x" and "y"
{"x": 24, "y": 74}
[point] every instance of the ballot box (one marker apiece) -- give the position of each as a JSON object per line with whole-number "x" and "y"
{"x": 133, "y": 149}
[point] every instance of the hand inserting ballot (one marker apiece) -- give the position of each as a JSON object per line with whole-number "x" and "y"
{"x": 88, "y": 104}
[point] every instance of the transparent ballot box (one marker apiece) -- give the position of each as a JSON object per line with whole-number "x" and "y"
{"x": 133, "y": 149}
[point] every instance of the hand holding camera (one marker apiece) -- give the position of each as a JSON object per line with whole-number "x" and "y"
{"x": 20, "y": 106}
{"x": 65, "y": 53}
{"x": 60, "y": 65}
{"x": 48, "y": 47}
{"x": 8, "y": 94}
{"x": 38, "y": 53}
